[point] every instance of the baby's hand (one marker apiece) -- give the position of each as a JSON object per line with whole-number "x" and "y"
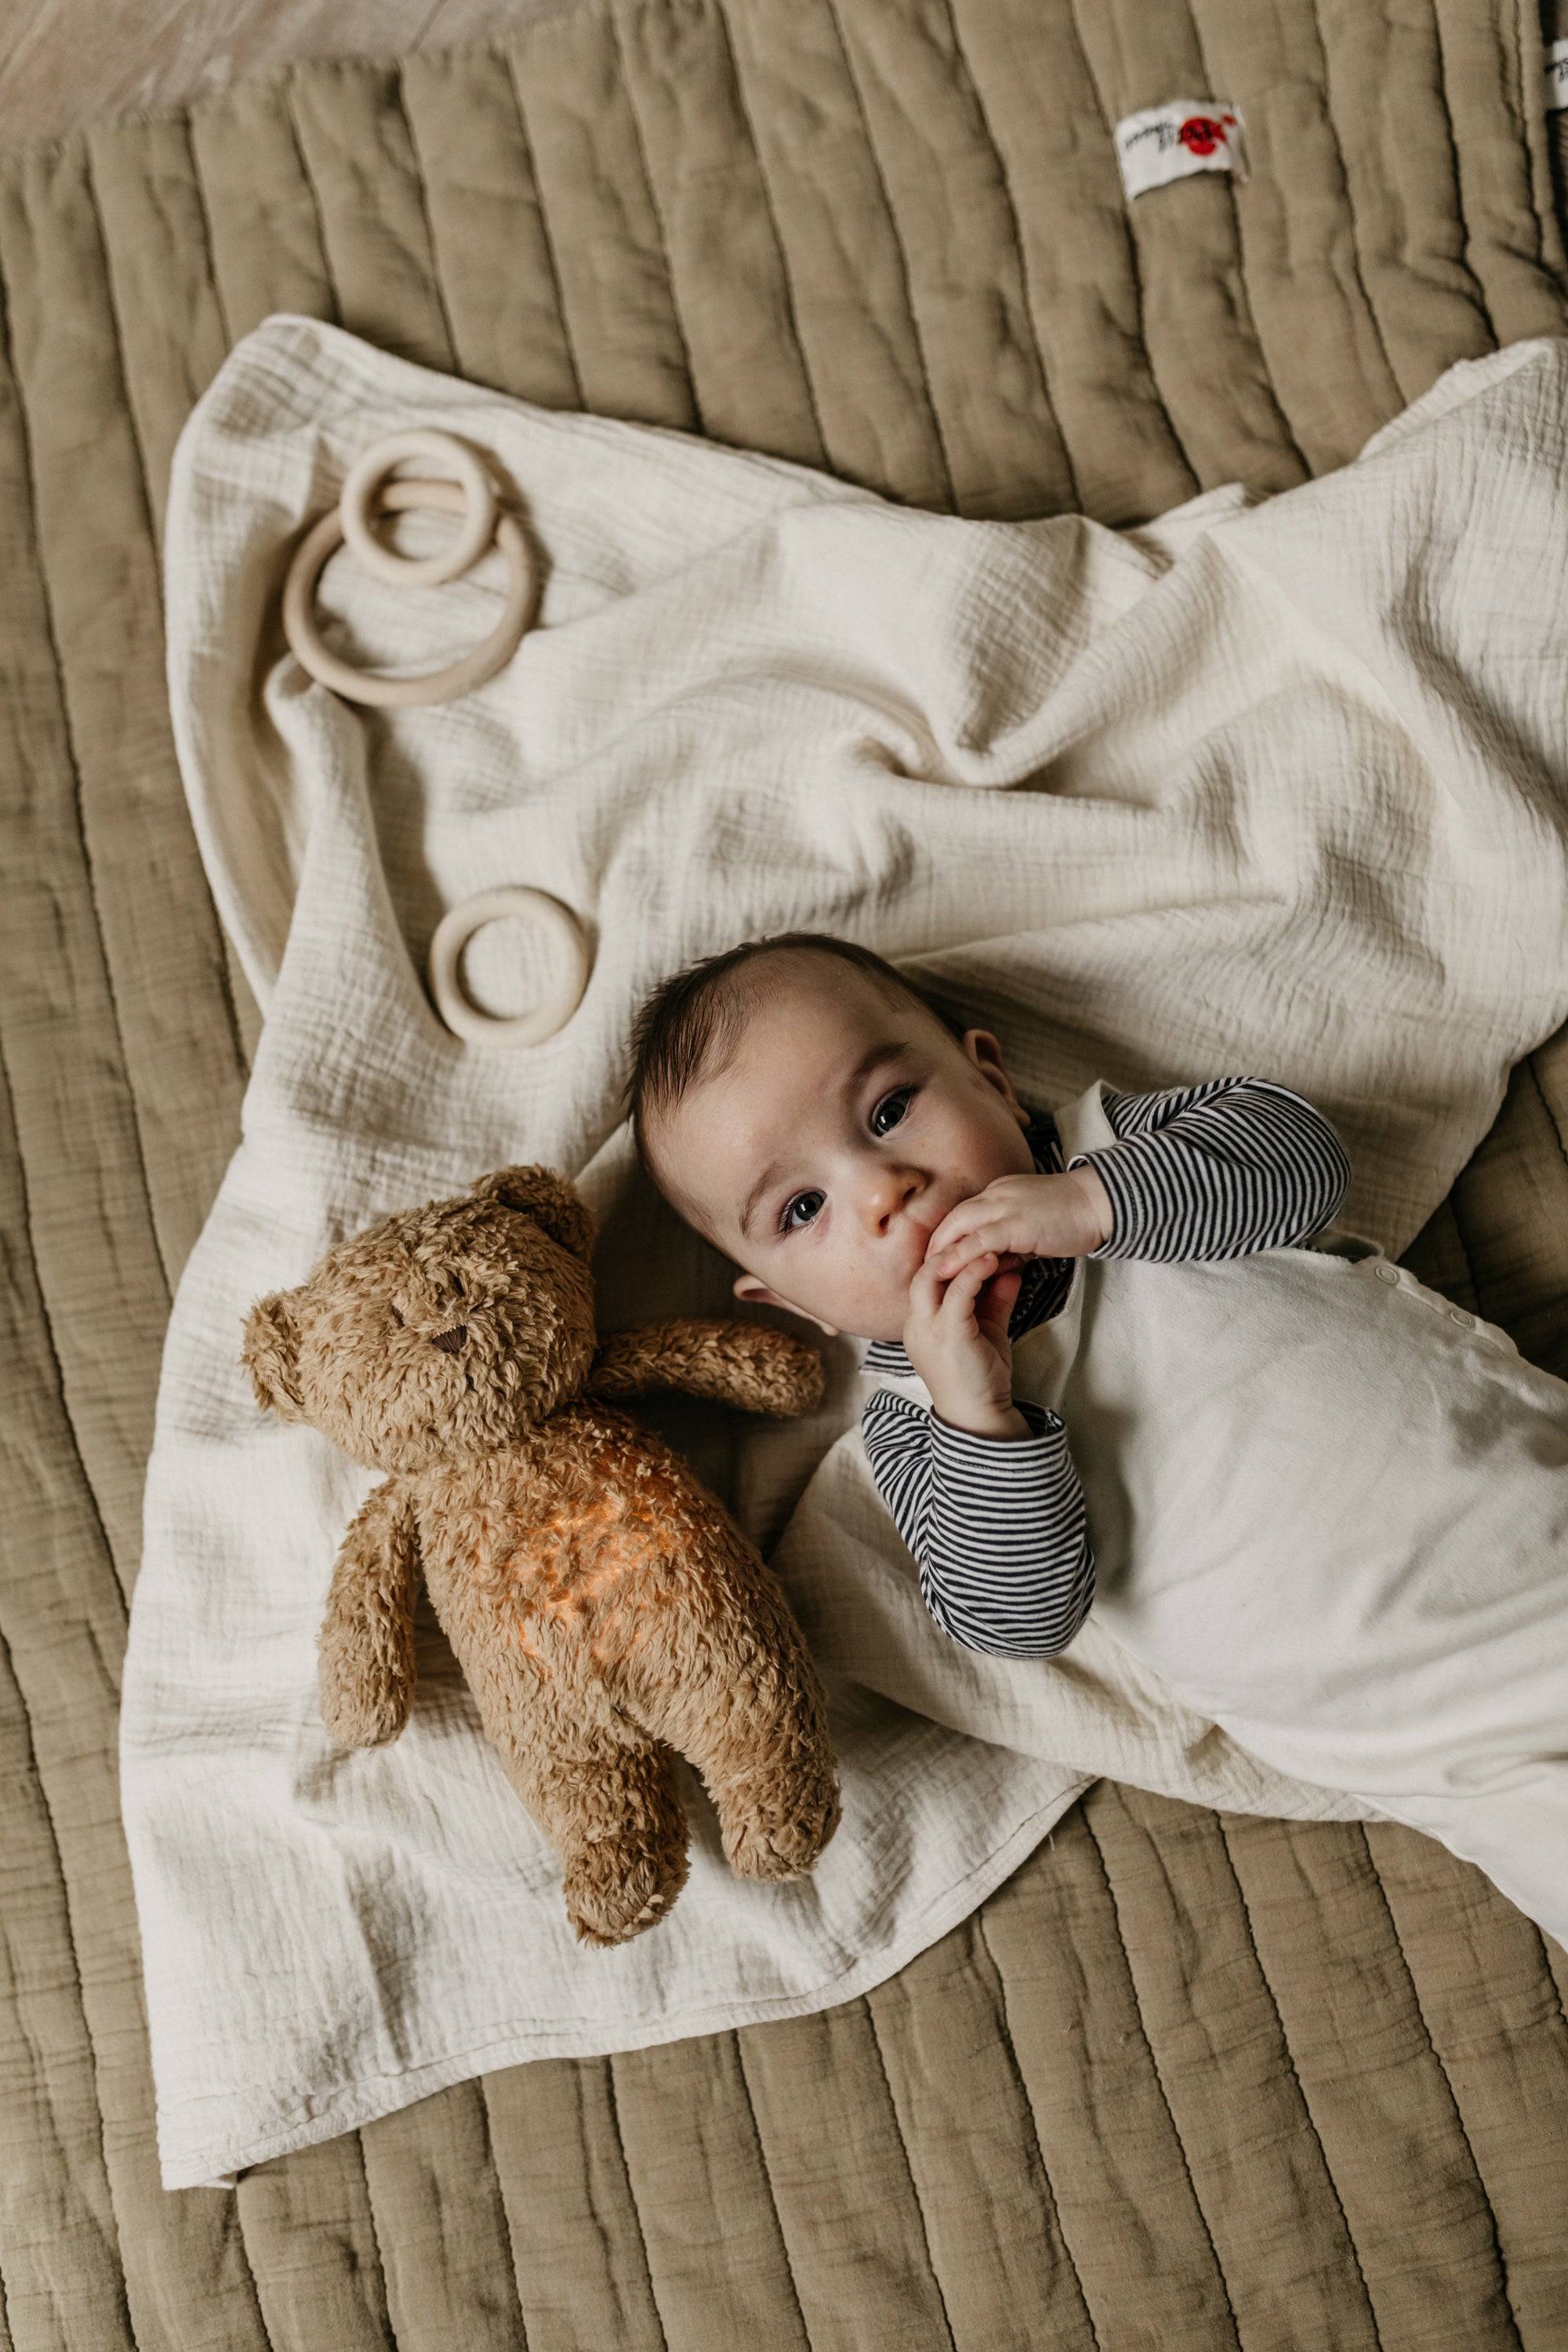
{"x": 1020, "y": 1217}
{"x": 956, "y": 1337}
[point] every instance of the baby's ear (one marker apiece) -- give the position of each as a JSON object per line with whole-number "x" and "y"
{"x": 271, "y": 1355}
{"x": 756, "y": 1294}
{"x": 548, "y": 1198}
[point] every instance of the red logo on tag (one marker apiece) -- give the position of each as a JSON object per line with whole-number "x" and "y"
{"x": 1201, "y": 134}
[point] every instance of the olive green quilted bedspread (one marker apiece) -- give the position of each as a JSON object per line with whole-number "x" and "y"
{"x": 1186, "y": 2082}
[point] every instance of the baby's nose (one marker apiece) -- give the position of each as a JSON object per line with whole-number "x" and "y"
{"x": 888, "y": 1192}
{"x": 450, "y": 1341}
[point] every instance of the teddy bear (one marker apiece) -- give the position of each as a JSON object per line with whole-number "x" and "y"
{"x": 606, "y": 1612}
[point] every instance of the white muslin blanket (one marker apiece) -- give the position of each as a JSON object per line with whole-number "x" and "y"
{"x": 1281, "y": 791}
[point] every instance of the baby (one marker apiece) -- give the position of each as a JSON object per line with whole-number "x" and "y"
{"x": 872, "y": 1169}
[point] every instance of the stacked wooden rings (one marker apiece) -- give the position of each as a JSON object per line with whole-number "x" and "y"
{"x": 369, "y": 490}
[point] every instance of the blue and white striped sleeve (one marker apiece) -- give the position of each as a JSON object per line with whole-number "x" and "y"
{"x": 997, "y": 1526}
{"x": 1216, "y": 1170}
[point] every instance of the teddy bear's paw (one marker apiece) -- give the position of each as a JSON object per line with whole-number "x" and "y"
{"x": 363, "y": 1718}
{"x": 785, "y": 1374}
{"x": 612, "y": 1895}
{"x": 783, "y": 1840}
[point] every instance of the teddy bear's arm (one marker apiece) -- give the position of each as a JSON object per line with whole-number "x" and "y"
{"x": 367, "y": 1647}
{"x": 746, "y": 1364}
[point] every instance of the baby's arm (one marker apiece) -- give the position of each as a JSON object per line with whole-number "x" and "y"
{"x": 1216, "y": 1170}
{"x": 996, "y": 1525}
{"x": 1210, "y": 1171}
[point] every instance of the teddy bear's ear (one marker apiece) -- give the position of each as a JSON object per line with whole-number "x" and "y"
{"x": 548, "y": 1198}
{"x": 271, "y": 1355}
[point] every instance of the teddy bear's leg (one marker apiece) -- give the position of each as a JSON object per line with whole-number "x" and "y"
{"x": 612, "y": 1811}
{"x": 769, "y": 1770}
{"x": 731, "y": 1684}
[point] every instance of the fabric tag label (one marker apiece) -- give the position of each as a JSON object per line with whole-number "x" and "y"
{"x": 1556, "y": 76}
{"x": 1184, "y": 135}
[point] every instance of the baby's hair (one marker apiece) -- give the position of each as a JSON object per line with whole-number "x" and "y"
{"x": 691, "y": 1024}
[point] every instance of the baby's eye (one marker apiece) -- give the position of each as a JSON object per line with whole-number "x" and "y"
{"x": 890, "y": 1110}
{"x": 800, "y": 1211}
{"x": 458, "y": 1286}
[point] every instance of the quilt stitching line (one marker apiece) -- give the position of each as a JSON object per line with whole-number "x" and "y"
{"x": 909, "y": 2168}
{"x": 1545, "y": 136}
{"x": 1159, "y": 2081}
{"x": 1246, "y": 1909}
{"x": 494, "y": 2171}
{"x": 660, "y": 228}
{"x": 290, "y": 116}
{"x": 149, "y": 512}
{"x": 1509, "y": 65}
{"x": 615, "y": 2107}
{"x": 507, "y": 58}
{"x": 1134, "y": 268}
{"x": 1006, "y": 187}
{"x": 1437, "y": 2061}
{"x": 234, "y": 2229}
{"x": 204, "y": 205}
{"x": 121, "y": 2290}
{"x": 374, "y": 2278}
{"x": 999, "y": 1991}
{"x": 90, "y": 182}
{"x": 1512, "y": 69}
{"x": 68, "y": 738}
{"x": 46, "y": 1326}
{"x": 1460, "y": 214}
{"x": 380, "y": 2243}
{"x": 417, "y": 175}
{"x": 1375, "y": 322}
{"x": 932, "y": 410}
{"x": 768, "y": 2178}
{"x": 230, "y": 1004}
{"x": 1246, "y": 319}
{"x": 769, "y": 207}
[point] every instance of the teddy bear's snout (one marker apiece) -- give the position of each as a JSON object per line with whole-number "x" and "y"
{"x": 450, "y": 1341}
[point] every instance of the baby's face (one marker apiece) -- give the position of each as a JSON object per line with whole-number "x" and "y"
{"x": 847, "y": 1125}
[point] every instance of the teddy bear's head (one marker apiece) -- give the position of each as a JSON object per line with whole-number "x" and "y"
{"x": 441, "y": 1334}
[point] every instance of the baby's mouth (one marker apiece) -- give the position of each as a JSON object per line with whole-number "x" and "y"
{"x": 918, "y": 1244}
{"x": 926, "y": 1225}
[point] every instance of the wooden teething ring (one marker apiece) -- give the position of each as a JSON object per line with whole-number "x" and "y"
{"x": 366, "y": 477}
{"x": 515, "y": 901}
{"x": 473, "y": 497}
{"x": 439, "y": 685}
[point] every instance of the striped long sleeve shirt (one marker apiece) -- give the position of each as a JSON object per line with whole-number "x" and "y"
{"x": 997, "y": 1526}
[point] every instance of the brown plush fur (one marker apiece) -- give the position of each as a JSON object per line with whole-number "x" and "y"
{"x": 606, "y": 1612}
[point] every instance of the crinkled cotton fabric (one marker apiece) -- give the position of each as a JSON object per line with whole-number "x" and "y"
{"x": 1278, "y": 791}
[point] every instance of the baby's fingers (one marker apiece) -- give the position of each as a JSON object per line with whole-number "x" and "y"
{"x": 988, "y": 1240}
{"x": 959, "y": 1222}
{"x": 925, "y": 1291}
{"x": 965, "y": 1287}
{"x": 994, "y": 1306}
